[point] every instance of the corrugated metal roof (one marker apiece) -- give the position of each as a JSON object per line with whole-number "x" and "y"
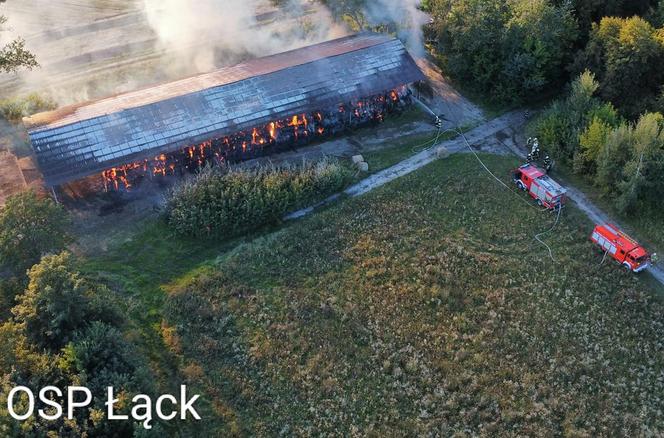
{"x": 77, "y": 141}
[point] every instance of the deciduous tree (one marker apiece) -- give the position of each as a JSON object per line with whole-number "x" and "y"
{"x": 626, "y": 55}
{"x": 643, "y": 173}
{"x": 14, "y": 55}
{"x": 561, "y": 124}
{"x": 31, "y": 226}
{"x": 53, "y": 306}
{"x": 612, "y": 158}
{"x": 509, "y": 51}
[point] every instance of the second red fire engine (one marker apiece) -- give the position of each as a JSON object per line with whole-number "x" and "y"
{"x": 621, "y": 247}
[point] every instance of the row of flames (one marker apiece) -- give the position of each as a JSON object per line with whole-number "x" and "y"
{"x": 274, "y": 136}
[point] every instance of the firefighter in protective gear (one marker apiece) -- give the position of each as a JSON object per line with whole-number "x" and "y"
{"x": 534, "y": 149}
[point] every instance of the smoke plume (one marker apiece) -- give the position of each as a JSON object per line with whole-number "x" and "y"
{"x": 405, "y": 15}
{"x": 208, "y": 33}
{"x": 89, "y": 50}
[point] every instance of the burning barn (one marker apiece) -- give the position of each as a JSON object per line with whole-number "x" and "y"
{"x": 236, "y": 113}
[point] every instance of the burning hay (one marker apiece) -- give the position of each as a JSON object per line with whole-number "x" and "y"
{"x": 275, "y": 136}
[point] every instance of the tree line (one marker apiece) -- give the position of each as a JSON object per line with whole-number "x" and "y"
{"x": 623, "y": 158}
{"x": 608, "y": 125}
{"x": 515, "y": 51}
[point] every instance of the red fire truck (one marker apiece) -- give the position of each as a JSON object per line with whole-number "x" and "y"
{"x": 621, "y": 247}
{"x": 540, "y": 186}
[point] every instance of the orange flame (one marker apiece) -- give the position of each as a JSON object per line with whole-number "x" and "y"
{"x": 199, "y": 154}
{"x": 272, "y": 128}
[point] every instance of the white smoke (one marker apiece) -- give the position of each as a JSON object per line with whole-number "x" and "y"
{"x": 87, "y": 51}
{"x": 204, "y": 31}
{"x": 407, "y": 17}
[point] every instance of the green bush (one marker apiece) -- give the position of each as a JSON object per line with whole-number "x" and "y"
{"x": 53, "y": 306}
{"x": 227, "y": 202}
{"x": 560, "y": 125}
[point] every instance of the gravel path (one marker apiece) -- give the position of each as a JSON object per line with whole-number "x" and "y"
{"x": 425, "y": 157}
{"x": 419, "y": 160}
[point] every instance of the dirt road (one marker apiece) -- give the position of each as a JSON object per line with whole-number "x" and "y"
{"x": 419, "y": 160}
{"x": 454, "y": 109}
{"x": 425, "y": 157}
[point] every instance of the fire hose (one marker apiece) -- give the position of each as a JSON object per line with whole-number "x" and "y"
{"x": 465, "y": 139}
{"x": 538, "y": 236}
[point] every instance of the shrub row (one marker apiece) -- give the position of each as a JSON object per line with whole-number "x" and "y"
{"x": 226, "y": 202}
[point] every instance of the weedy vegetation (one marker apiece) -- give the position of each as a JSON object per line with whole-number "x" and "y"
{"x": 227, "y": 202}
{"x": 14, "y": 109}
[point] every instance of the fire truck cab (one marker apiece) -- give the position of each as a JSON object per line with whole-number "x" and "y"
{"x": 621, "y": 247}
{"x": 540, "y": 186}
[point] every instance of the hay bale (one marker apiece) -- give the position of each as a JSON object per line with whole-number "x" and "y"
{"x": 357, "y": 159}
{"x": 363, "y": 166}
{"x": 442, "y": 152}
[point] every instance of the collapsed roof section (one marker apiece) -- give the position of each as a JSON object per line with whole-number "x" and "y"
{"x": 80, "y": 140}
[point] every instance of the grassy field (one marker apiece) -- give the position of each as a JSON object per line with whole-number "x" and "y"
{"x": 397, "y": 151}
{"x": 423, "y": 307}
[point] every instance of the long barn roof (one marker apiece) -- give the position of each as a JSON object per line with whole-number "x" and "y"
{"x": 76, "y": 141}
